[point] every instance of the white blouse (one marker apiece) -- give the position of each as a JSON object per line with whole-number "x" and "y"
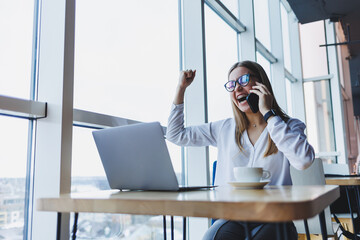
{"x": 289, "y": 138}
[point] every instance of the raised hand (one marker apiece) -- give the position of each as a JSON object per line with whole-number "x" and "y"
{"x": 185, "y": 79}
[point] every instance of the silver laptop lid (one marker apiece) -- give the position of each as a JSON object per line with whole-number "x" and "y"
{"x": 136, "y": 157}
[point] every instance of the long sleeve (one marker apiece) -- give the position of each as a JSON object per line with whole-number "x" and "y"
{"x": 291, "y": 140}
{"x": 200, "y": 135}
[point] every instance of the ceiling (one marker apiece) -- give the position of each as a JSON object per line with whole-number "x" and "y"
{"x": 347, "y": 12}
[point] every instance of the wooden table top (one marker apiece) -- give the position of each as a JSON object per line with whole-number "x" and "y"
{"x": 343, "y": 181}
{"x": 272, "y": 204}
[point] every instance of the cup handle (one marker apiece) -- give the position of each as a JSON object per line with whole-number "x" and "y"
{"x": 266, "y": 175}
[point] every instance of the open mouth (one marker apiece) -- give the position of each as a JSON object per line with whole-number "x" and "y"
{"x": 242, "y": 99}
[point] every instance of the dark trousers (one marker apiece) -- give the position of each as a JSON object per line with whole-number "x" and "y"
{"x": 235, "y": 230}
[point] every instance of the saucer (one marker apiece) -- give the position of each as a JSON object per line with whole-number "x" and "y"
{"x": 249, "y": 185}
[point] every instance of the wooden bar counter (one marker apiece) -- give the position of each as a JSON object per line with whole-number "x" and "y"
{"x": 343, "y": 181}
{"x": 272, "y": 204}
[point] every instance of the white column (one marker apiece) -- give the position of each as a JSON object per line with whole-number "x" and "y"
{"x": 277, "y": 68}
{"x": 297, "y": 88}
{"x": 195, "y": 100}
{"x": 52, "y": 169}
{"x": 336, "y": 97}
{"x": 247, "y": 38}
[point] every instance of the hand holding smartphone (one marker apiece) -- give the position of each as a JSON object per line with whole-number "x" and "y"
{"x": 253, "y": 101}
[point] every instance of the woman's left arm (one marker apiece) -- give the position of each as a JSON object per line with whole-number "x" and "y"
{"x": 291, "y": 140}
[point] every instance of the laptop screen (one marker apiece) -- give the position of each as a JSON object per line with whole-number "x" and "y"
{"x": 136, "y": 157}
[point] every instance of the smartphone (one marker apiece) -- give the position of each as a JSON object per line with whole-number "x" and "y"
{"x": 253, "y": 101}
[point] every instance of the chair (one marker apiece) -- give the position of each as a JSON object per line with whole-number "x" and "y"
{"x": 314, "y": 175}
{"x": 342, "y": 209}
{"x": 213, "y": 182}
{"x": 332, "y": 168}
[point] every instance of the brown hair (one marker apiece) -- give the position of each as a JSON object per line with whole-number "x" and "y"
{"x": 240, "y": 118}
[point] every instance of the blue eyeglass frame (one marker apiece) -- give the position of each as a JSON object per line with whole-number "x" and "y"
{"x": 238, "y": 81}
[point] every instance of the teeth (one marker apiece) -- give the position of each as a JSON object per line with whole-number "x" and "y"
{"x": 241, "y": 98}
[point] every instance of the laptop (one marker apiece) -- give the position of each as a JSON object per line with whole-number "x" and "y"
{"x": 135, "y": 157}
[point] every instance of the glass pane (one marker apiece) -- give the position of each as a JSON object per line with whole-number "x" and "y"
{"x": 99, "y": 226}
{"x": 319, "y": 116}
{"x": 88, "y": 175}
{"x": 264, "y": 63}
{"x": 126, "y": 57}
{"x": 87, "y": 171}
{"x": 233, "y": 6}
{"x": 221, "y": 54}
{"x": 285, "y": 37}
{"x": 16, "y": 30}
{"x": 289, "y": 97}
{"x": 13, "y": 155}
{"x": 262, "y": 26}
{"x": 313, "y": 57}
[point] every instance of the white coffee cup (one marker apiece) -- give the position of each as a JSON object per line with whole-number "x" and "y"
{"x": 250, "y": 174}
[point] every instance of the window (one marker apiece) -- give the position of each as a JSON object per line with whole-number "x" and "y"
{"x": 16, "y": 29}
{"x": 319, "y": 117}
{"x": 264, "y": 63}
{"x": 221, "y": 54}
{"x": 127, "y": 70}
{"x": 262, "y": 27}
{"x": 285, "y": 37}
{"x": 314, "y": 58}
{"x": 13, "y": 155}
{"x": 126, "y": 58}
{"x": 126, "y": 65}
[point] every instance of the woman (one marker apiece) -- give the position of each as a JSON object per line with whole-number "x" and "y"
{"x": 268, "y": 138}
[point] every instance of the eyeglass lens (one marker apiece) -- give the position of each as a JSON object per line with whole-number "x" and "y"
{"x": 242, "y": 81}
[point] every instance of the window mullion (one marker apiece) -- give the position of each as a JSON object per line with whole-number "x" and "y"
{"x": 53, "y": 145}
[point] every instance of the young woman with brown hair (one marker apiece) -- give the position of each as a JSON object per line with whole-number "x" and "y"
{"x": 268, "y": 138}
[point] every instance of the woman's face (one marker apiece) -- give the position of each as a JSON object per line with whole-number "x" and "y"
{"x": 237, "y": 96}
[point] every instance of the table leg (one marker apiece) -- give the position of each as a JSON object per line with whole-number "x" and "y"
{"x": 278, "y": 231}
{"x": 323, "y": 225}
{"x": 247, "y": 231}
{"x": 75, "y": 225}
{"x": 164, "y": 226}
{"x": 285, "y": 231}
{"x": 184, "y": 228}
{"x": 357, "y": 205}
{"x": 172, "y": 227}
{"x": 307, "y": 229}
{"x": 351, "y": 212}
{"x": 58, "y": 227}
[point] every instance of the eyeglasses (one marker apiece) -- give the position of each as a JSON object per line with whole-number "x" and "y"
{"x": 242, "y": 81}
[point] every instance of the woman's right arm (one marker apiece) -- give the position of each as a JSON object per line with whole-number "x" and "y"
{"x": 201, "y": 135}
